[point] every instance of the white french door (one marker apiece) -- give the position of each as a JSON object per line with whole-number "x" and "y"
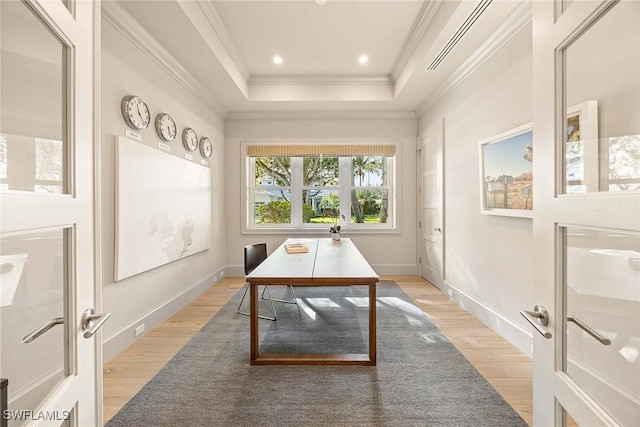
{"x": 430, "y": 215}
{"x": 48, "y": 349}
{"x": 587, "y": 212}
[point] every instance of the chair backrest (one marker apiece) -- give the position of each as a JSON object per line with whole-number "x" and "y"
{"x": 253, "y": 256}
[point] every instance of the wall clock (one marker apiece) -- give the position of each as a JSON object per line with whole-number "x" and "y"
{"x": 206, "y": 148}
{"x": 190, "y": 139}
{"x": 166, "y": 127}
{"x": 135, "y": 112}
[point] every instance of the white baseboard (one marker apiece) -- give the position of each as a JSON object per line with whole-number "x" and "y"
{"x": 496, "y": 321}
{"x": 122, "y": 339}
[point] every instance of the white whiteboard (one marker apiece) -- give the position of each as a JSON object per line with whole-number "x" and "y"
{"x": 163, "y": 208}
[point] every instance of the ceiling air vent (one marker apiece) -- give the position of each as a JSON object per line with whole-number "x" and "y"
{"x": 455, "y": 39}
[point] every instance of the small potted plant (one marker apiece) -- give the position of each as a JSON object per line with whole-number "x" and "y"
{"x": 335, "y": 228}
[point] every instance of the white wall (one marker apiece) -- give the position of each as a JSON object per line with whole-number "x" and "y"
{"x": 387, "y": 253}
{"x": 152, "y": 296}
{"x": 488, "y": 259}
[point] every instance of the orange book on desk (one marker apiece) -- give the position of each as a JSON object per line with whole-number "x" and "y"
{"x": 296, "y": 248}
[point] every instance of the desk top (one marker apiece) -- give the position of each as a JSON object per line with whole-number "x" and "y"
{"x": 338, "y": 262}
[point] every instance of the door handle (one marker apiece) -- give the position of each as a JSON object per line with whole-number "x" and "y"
{"x": 42, "y": 329}
{"x": 438, "y": 229}
{"x": 588, "y": 329}
{"x": 89, "y": 316}
{"x": 538, "y": 318}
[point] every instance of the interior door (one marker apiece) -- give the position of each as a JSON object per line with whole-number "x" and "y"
{"x": 586, "y": 222}
{"x": 47, "y": 346}
{"x": 431, "y": 241}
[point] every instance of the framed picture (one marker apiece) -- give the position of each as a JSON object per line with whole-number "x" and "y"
{"x": 506, "y": 173}
{"x": 506, "y": 163}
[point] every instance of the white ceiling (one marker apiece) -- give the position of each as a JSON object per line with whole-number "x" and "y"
{"x": 318, "y": 40}
{"x": 222, "y": 50}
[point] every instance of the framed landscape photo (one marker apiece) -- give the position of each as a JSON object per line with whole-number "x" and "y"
{"x": 506, "y": 163}
{"x": 506, "y": 173}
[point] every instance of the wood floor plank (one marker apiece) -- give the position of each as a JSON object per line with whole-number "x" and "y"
{"x": 507, "y": 369}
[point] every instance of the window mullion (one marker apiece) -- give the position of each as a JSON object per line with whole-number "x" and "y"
{"x": 296, "y": 191}
{"x": 345, "y": 190}
{"x": 250, "y": 174}
{"x": 391, "y": 187}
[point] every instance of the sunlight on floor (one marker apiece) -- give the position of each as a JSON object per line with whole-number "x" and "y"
{"x": 413, "y": 314}
{"x": 322, "y": 302}
{"x": 359, "y": 301}
{"x": 433, "y": 337}
{"x": 307, "y": 310}
{"x": 402, "y": 305}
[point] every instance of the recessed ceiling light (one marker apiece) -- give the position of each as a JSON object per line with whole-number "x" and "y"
{"x": 277, "y": 59}
{"x": 363, "y": 59}
{"x": 320, "y": 2}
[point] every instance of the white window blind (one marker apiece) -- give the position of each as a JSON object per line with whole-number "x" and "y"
{"x": 320, "y": 150}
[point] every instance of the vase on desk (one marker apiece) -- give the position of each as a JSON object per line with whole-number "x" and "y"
{"x": 335, "y": 236}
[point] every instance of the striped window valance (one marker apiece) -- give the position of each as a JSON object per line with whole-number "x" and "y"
{"x": 320, "y": 150}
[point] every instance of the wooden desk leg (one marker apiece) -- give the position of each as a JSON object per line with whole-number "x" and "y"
{"x": 372, "y": 323}
{"x": 253, "y": 320}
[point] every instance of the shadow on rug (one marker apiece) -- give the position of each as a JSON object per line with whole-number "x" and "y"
{"x": 421, "y": 378}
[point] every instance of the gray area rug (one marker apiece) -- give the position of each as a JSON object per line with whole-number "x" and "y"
{"x": 421, "y": 378}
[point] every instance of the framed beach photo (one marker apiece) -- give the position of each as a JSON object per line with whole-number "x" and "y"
{"x": 506, "y": 163}
{"x": 506, "y": 173}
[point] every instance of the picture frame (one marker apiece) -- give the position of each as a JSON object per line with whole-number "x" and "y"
{"x": 506, "y": 173}
{"x": 506, "y": 163}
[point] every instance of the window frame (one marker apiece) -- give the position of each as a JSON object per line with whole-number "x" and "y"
{"x": 344, "y": 187}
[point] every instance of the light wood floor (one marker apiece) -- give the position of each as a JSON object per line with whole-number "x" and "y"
{"x": 507, "y": 369}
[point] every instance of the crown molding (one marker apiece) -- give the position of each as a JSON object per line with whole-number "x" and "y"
{"x": 322, "y": 115}
{"x": 207, "y": 23}
{"x": 516, "y": 21}
{"x": 319, "y": 80}
{"x": 218, "y": 27}
{"x": 418, "y": 29}
{"x": 115, "y": 15}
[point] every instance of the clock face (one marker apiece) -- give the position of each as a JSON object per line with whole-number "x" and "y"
{"x": 190, "y": 139}
{"x": 206, "y": 148}
{"x": 166, "y": 127}
{"x": 135, "y": 112}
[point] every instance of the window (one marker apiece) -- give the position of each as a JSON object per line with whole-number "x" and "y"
{"x": 304, "y": 187}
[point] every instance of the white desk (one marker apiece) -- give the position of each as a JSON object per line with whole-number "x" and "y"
{"x": 328, "y": 263}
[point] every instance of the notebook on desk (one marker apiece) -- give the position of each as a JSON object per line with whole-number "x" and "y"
{"x": 296, "y": 248}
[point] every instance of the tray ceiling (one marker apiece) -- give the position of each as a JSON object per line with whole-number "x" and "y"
{"x": 227, "y": 48}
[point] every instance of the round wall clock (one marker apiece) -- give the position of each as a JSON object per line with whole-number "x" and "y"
{"x": 206, "y": 148}
{"x": 166, "y": 127}
{"x": 135, "y": 112}
{"x": 190, "y": 139}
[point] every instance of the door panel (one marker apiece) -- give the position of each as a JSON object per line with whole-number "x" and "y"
{"x": 602, "y": 331}
{"x": 34, "y": 127}
{"x": 33, "y": 304}
{"x": 587, "y": 217}
{"x": 601, "y": 69}
{"x": 431, "y": 207}
{"x": 46, "y": 221}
